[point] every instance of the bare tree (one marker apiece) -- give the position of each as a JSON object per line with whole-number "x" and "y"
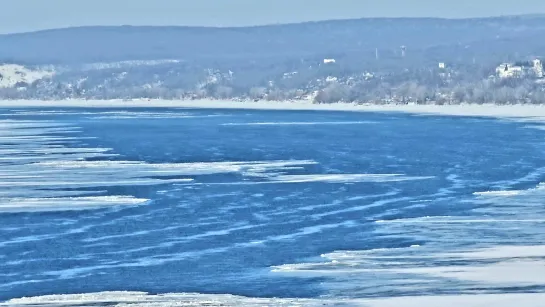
{"x": 334, "y": 92}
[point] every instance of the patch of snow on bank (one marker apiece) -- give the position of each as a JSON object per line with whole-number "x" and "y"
{"x": 13, "y": 74}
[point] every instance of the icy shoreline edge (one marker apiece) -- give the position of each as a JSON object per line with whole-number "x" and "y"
{"x": 484, "y": 110}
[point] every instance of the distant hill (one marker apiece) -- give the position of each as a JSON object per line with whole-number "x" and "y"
{"x": 429, "y": 38}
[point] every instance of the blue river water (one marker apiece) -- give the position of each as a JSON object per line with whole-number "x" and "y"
{"x": 287, "y": 204}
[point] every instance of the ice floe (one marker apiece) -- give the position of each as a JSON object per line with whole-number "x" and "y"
{"x": 300, "y": 123}
{"x": 425, "y": 269}
{"x": 41, "y": 165}
{"x": 498, "y": 193}
{"x": 143, "y": 299}
{"x": 344, "y": 178}
{"x": 65, "y": 203}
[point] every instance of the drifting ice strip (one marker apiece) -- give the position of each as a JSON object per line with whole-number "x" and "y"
{"x": 143, "y": 299}
{"x": 198, "y": 168}
{"x": 428, "y": 267}
{"x": 344, "y": 178}
{"x": 299, "y": 123}
{"x": 66, "y": 203}
{"x": 498, "y": 193}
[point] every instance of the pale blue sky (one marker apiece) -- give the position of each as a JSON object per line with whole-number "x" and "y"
{"x": 30, "y": 15}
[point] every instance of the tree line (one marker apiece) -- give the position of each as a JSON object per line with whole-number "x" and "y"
{"x": 292, "y": 79}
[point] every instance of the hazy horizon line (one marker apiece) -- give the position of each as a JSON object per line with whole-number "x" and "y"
{"x": 538, "y": 15}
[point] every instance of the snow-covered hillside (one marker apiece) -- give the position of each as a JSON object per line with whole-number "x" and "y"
{"x": 127, "y": 64}
{"x": 12, "y": 74}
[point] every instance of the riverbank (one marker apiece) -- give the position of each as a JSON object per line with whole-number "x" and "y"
{"x": 535, "y": 112}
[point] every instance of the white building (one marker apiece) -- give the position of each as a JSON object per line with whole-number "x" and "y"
{"x": 442, "y": 65}
{"x": 532, "y": 68}
{"x": 507, "y": 70}
{"x": 329, "y": 61}
{"x": 538, "y": 68}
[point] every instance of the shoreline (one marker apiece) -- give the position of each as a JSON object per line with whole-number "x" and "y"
{"x": 526, "y": 111}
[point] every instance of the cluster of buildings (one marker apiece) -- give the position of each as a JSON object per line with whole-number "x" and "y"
{"x": 530, "y": 69}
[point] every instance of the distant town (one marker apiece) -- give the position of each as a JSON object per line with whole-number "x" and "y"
{"x": 379, "y": 61}
{"x": 322, "y": 82}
